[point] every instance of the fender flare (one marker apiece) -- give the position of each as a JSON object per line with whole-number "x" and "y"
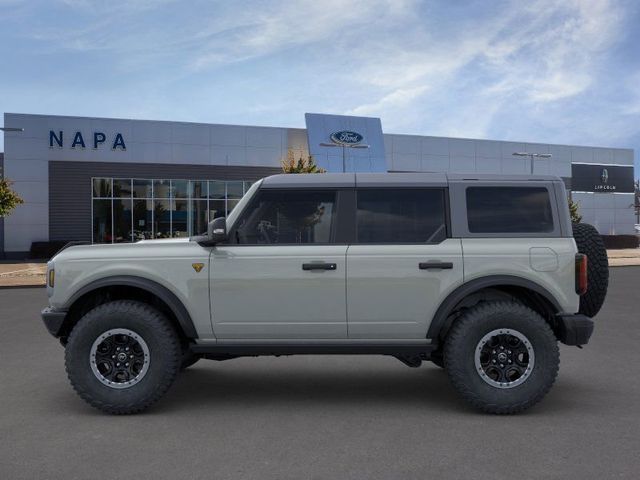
{"x": 167, "y": 296}
{"x": 460, "y": 293}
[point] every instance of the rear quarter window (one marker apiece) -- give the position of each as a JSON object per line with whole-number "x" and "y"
{"x": 493, "y": 209}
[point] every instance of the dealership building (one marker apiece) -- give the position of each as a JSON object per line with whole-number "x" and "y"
{"x": 106, "y": 180}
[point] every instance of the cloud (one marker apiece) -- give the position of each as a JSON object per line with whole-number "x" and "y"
{"x": 534, "y": 53}
{"x": 537, "y": 70}
{"x": 248, "y": 34}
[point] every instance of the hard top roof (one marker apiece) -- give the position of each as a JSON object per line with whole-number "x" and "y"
{"x": 404, "y": 179}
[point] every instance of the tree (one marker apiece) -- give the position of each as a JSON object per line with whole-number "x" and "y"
{"x": 8, "y": 198}
{"x": 302, "y": 165}
{"x": 573, "y": 211}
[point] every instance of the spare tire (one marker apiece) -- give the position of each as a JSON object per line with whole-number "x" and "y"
{"x": 590, "y": 243}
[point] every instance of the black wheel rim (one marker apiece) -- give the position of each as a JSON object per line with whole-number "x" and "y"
{"x": 504, "y": 358}
{"x": 119, "y": 358}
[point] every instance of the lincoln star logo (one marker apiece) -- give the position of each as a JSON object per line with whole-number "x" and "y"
{"x": 604, "y": 175}
{"x": 346, "y": 137}
{"x": 197, "y": 266}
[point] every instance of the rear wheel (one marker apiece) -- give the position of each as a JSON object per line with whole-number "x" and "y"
{"x": 122, "y": 356}
{"x": 589, "y": 242}
{"x": 502, "y": 357}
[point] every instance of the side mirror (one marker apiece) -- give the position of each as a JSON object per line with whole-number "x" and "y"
{"x": 217, "y": 230}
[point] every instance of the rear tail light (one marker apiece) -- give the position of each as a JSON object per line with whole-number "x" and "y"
{"x": 581, "y": 274}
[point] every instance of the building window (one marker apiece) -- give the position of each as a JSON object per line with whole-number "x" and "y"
{"x": 132, "y": 209}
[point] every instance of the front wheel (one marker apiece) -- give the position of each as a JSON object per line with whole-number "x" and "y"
{"x": 122, "y": 356}
{"x": 502, "y": 357}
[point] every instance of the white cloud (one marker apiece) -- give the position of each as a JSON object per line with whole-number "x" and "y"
{"x": 397, "y": 99}
{"x": 249, "y": 34}
{"x": 506, "y": 69}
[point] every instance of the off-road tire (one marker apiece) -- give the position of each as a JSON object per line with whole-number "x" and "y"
{"x": 165, "y": 355}
{"x": 464, "y": 338}
{"x": 590, "y": 243}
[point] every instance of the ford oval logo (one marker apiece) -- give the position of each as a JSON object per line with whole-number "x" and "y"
{"x": 346, "y": 137}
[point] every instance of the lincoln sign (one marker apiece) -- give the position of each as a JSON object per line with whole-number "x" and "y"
{"x": 601, "y": 178}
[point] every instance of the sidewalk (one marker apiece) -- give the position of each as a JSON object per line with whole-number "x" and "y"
{"x": 33, "y": 274}
{"x": 624, "y": 258}
{"x": 22, "y": 274}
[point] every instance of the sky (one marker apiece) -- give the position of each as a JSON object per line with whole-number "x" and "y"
{"x": 565, "y": 71}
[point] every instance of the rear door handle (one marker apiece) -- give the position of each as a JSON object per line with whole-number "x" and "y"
{"x": 435, "y": 265}
{"x": 319, "y": 266}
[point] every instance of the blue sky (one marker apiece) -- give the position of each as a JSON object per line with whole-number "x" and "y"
{"x": 537, "y": 70}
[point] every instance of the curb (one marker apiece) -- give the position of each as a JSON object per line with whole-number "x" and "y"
{"x": 11, "y": 287}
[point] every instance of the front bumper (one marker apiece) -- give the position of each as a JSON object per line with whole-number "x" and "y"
{"x": 574, "y": 329}
{"x": 54, "y": 320}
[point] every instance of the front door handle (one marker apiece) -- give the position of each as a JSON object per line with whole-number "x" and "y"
{"x": 319, "y": 266}
{"x": 435, "y": 265}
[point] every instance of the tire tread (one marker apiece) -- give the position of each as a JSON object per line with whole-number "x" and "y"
{"x": 165, "y": 331}
{"x": 455, "y": 344}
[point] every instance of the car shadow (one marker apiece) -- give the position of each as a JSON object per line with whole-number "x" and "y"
{"x": 217, "y": 386}
{"x": 211, "y": 386}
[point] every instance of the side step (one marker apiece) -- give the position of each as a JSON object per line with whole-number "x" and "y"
{"x": 405, "y": 350}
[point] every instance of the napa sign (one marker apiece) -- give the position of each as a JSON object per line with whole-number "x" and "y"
{"x": 98, "y": 139}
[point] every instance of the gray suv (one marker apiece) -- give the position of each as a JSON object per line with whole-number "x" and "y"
{"x": 481, "y": 275}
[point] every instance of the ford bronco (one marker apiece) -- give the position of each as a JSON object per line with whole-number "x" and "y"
{"x": 482, "y": 275}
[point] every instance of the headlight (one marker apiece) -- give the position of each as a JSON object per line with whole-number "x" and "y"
{"x": 52, "y": 277}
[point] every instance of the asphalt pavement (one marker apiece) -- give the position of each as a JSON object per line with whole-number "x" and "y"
{"x": 322, "y": 417}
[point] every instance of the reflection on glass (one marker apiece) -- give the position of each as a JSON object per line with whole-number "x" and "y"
{"x": 142, "y": 219}
{"x": 179, "y": 217}
{"x": 217, "y": 189}
{"x": 161, "y": 219}
{"x": 141, "y": 188}
{"x": 102, "y": 221}
{"x": 128, "y": 209}
{"x": 234, "y": 189}
{"x": 231, "y": 204}
{"x": 179, "y": 188}
{"x": 288, "y": 218}
{"x": 102, "y": 187}
{"x": 122, "y": 220}
{"x": 161, "y": 188}
{"x": 198, "y": 217}
{"x": 198, "y": 189}
{"x": 122, "y": 187}
{"x": 217, "y": 209}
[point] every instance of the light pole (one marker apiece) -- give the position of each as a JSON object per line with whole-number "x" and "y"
{"x": 532, "y": 156}
{"x": 344, "y": 150}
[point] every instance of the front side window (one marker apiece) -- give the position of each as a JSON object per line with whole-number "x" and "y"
{"x": 287, "y": 217}
{"x": 509, "y": 210}
{"x": 391, "y": 215}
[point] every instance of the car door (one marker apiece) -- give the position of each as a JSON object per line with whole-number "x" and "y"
{"x": 401, "y": 264}
{"x": 283, "y": 275}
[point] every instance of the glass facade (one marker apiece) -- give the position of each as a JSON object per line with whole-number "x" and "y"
{"x": 132, "y": 209}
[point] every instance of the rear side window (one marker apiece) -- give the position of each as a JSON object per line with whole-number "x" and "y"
{"x": 288, "y": 217}
{"x": 509, "y": 210}
{"x": 401, "y": 215}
